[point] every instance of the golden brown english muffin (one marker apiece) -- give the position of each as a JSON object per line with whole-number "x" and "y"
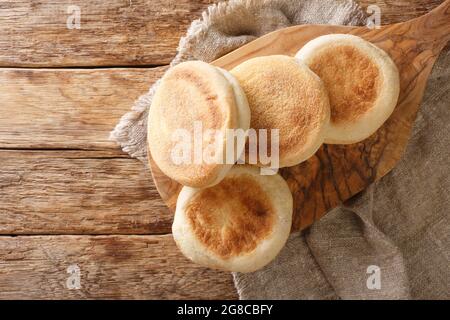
{"x": 285, "y": 94}
{"x": 239, "y": 225}
{"x": 193, "y": 107}
{"x": 362, "y": 82}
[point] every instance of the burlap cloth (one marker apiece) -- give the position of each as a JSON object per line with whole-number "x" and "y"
{"x": 399, "y": 227}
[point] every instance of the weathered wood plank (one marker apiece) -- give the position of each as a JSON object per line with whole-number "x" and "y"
{"x": 67, "y": 108}
{"x": 78, "y": 192}
{"x": 120, "y": 32}
{"x": 111, "y": 267}
{"x": 114, "y": 32}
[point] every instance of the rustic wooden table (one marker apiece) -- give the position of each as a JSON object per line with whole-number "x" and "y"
{"x": 68, "y": 195}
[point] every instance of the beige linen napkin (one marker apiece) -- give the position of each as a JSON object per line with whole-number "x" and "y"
{"x": 390, "y": 242}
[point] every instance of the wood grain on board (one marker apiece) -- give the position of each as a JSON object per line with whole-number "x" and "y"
{"x": 111, "y": 267}
{"x": 120, "y": 32}
{"x": 84, "y": 191}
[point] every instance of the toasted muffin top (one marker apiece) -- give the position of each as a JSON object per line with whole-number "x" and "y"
{"x": 232, "y": 217}
{"x": 285, "y": 94}
{"x": 352, "y": 79}
{"x": 190, "y": 93}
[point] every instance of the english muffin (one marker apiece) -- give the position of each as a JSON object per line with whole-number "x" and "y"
{"x": 362, "y": 82}
{"x": 285, "y": 94}
{"x": 239, "y": 225}
{"x": 193, "y": 102}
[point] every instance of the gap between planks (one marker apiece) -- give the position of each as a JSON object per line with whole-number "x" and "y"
{"x": 143, "y": 66}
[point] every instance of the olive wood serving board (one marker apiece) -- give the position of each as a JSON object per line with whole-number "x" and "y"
{"x": 337, "y": 172}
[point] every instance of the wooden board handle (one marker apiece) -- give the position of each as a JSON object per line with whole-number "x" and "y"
{"x": 434, "y": 26}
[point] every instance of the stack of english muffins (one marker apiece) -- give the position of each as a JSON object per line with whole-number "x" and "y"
{"x": 338, "y": 89}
